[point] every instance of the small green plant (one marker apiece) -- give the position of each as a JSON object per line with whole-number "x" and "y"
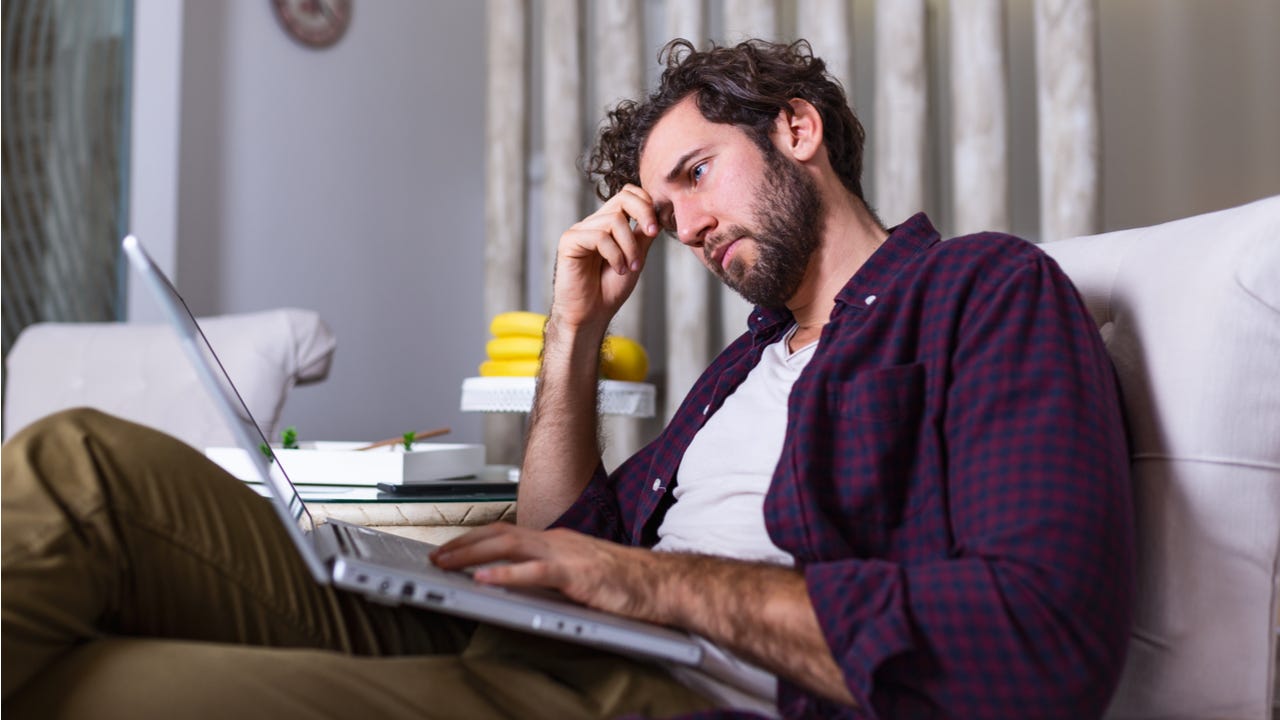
{"x": 409, "y": 437}
{"x": 266, "y": 450}
{"x": 289, "y": 438}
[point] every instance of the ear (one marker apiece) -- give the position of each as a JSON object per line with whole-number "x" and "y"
{"x": 798, "y": 130}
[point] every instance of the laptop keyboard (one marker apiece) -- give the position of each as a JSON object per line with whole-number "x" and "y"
{"x": 388, "y": 548}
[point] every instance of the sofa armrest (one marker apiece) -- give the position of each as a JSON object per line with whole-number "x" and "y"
{"x": 139, "y": 371}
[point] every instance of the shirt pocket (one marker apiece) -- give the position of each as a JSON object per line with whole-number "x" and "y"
{"x": 876, "y": 450}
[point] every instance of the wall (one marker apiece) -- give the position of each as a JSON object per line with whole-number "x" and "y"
{"x": 1190, "y": 107}
{"x": 346, "y": 180}
{"x": 155, "y": 117}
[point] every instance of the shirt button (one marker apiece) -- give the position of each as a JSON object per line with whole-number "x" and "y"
{"x": 706, "y": 408}
{"x": 657, "y": 484}
{"x": 870, "y": 299}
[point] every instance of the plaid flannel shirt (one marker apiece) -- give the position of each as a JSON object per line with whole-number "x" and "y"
{"x": 954, "y": 485}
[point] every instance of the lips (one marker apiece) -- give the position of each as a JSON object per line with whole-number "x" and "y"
{"x": 723, "y": 254}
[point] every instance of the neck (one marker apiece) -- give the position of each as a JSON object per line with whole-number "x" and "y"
{"x": 850, "y": 235}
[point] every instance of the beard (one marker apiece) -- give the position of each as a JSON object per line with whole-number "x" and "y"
{"x": 787, "y": 215}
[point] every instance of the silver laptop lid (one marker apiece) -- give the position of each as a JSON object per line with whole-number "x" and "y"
{"x": 246, "y": 431}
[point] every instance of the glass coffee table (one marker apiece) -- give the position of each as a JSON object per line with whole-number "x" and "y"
{"x": 433, "y": 517}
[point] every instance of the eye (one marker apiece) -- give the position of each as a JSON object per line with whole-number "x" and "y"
{"x": 697, "y": 171}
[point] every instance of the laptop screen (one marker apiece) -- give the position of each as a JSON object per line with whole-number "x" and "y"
{"x": 244, "y": 428}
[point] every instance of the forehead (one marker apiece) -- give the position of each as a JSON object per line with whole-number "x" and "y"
{"x": 680, "y": 131}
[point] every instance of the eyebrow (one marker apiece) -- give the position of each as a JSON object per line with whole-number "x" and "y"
{"x": 680, "y": 163}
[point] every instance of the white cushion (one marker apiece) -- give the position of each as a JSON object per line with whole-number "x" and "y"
{"x": 1190, "y": 311}
{"x": 139, "y": 371}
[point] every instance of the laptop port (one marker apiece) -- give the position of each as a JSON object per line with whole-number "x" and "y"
{"x": 406, "y": 590}
{"x": 435, "y": 597}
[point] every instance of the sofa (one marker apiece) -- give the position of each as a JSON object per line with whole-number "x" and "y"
{"x": 1190, "y": 312}
{"x": 139, "y": 372}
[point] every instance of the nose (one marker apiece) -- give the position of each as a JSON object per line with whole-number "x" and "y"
{"x": 693, "y": 221}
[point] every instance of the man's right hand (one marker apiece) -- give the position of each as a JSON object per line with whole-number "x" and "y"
{"x": 599, "y": 259}
{"x": 598, "y": 263}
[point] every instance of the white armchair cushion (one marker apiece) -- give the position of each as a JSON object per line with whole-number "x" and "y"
{"x": 1190, "y": 311}
{"x": 139, "y": 371}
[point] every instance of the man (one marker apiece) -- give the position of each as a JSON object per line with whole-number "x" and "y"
{"x": 902, "y": 493}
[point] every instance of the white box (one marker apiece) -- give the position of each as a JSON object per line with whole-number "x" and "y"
{"x": 339, "y": 463}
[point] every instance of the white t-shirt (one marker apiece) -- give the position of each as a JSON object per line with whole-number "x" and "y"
{"x": 719, "y": 508}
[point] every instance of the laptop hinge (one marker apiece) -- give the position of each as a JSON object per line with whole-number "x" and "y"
{"x": 328, "y": 541}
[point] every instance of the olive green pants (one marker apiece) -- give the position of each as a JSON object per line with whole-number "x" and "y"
{"x": 140, "y": 580}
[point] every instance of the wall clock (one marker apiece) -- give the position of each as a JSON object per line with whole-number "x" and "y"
{"x": 314, "y": 23}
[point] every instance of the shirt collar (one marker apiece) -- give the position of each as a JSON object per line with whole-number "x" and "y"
{"x": 904, "y": 242}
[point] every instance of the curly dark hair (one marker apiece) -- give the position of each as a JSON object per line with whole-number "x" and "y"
{"x": 744, "y": 85}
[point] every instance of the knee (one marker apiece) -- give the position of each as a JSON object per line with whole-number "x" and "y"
{"x": 73, "y": 450}
{"x": 78, "y": 417}
{"x": 51, "y": 455}
{"x": 77, "y": 421}
{"x": 76, "y": 432}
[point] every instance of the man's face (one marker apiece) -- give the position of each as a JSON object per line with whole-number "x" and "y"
{"x": 753, "y": 217}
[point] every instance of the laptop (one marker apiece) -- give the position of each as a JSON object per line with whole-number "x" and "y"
{"x": 387, "y": 568}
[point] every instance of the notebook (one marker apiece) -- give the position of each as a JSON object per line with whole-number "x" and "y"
{"x": 388, "y": 568}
